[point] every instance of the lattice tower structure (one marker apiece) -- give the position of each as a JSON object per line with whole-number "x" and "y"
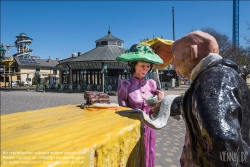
{"x": 236, "y": 22}
{"x": 22, "y": 43}
{"x": 8, "y": 46}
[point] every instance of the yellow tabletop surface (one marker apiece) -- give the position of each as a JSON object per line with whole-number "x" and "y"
{"x": 71, "y": 136}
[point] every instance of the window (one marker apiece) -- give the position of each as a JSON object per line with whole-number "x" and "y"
{"x": 54, "y": 72}
{"x": 119, "y": 43}
{"x": 97, "y": 44}
{"x": 104, "y": 43}
{"x": 66, "y": 72}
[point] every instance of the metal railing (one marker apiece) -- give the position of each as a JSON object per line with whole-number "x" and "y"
{"x": 109, "y": 87}
{"x": 75, "y": 87}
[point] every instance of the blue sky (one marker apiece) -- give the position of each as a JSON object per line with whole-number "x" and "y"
{"x": 60, "y": 28}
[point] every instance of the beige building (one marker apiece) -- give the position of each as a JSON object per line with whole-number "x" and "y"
{"x": 23, "y": 70}
{"x": 46, "y": 69}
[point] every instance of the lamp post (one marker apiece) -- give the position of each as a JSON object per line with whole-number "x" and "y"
{"x": 125, "y": 71}
{"x": 82, "y": 75}
{"x": 2, "y": 52}
{"x": 168, "y": 73}
{"x": 244, "y": 72}
{"x": 160, "y": 74}
{"x": 83, "y": 71}
{"x": 104, "y": 71}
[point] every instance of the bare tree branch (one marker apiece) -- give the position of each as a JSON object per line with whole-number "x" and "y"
{"x": 247, "y": 37}
{"x": 227, "y": 50}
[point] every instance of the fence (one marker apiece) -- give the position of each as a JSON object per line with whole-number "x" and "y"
{"x": 110, "y": 85}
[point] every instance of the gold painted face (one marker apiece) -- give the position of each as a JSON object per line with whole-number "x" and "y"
{"x": 141, "y": 69}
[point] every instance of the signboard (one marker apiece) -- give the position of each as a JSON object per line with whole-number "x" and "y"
{"x": 28, "y": 79}
{"x": 37, "y": 69}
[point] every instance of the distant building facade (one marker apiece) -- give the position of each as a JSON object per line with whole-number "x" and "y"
{"x": 96, "y": 69}
{"x": 22, "y": 67}
{"x": 28, "y": 67}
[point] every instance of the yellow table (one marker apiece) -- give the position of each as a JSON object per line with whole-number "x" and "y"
{"x": 71, "y": 136}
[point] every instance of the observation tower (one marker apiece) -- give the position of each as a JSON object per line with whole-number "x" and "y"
{"x": 22, "y": 44}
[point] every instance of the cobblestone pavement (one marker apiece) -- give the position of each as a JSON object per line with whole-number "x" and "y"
{"x": 169, "y": 141}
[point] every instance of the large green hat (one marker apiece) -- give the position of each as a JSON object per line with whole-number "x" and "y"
{"x": 140, "y": 52}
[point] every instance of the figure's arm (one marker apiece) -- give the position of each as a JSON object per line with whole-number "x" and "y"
{"x": 175, "y": 111}
{"x": 122, "y": 92}
{"x": 218, "y": 112}
{"x": 166, "y": 105}
{"x": 174, "y": 101}
{"x": 169, "y": 104}
{"x": 153, "y": 86}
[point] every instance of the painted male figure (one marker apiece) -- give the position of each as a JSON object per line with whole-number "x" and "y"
{"x": 216, "y": 107}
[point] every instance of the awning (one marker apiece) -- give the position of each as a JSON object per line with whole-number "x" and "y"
{"x": 162, "y": 47}
{"x": 30, "y": 72}
{"x": 23, "y": 72}
{"x": 50, "y": 75}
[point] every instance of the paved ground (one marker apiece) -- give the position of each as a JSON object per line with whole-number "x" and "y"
{"x": 169, "y": 139}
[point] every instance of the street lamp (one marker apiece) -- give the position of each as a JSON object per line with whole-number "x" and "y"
{"x": 168, "y": 73}
{"x": 2, "y": 52}
{"x": 125, "y": 71}
{"x": 104, "y": 71}
{"x": 244, "y": 72}
{"x": 83, "y": 71}
{"x": 161, "y": 72}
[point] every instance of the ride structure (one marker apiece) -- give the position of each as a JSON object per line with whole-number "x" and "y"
{"x": 236, "y": 22}
{"x": 22, "y": 44}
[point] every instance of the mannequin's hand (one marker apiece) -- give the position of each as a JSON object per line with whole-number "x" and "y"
{"x": 160, "y": 94}
{"x": 156, "y": 107}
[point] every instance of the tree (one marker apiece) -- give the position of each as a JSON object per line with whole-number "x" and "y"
{"x": 247, "y": 49}
{"x": 227, "y": 49}
{"x": 244, "y": 60}
{"x": 146, "y": 39}
{"x": 247, "y": 38}
{"x": 36, "y": 78}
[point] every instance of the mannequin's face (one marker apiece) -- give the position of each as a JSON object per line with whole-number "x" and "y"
{"x": 141, "y": 69}
{"x": 190, "y": 49}
{"x": 182, "y": 61}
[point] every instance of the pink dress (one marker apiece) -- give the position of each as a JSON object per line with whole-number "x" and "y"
{"x": 132, "y": 93}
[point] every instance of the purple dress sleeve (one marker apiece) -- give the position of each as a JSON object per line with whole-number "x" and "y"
{"x": 152, "y": 85}
{"x": 123, "y": 86}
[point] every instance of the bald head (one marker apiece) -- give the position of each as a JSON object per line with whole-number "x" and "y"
{"x": 190, "y": 49}
{"x": 203, "y": 42}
